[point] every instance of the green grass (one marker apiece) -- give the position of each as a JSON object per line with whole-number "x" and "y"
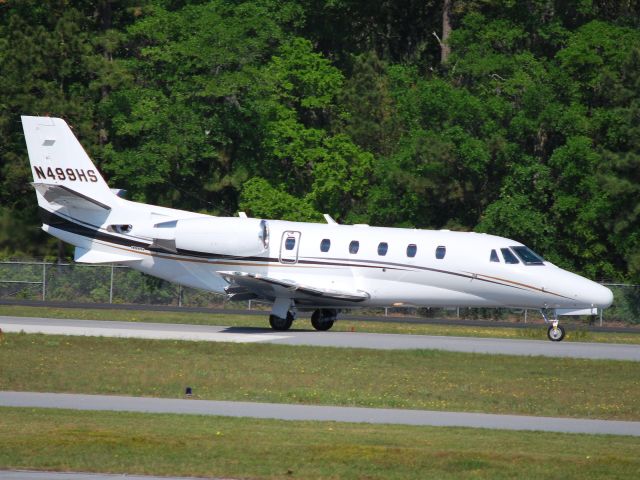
{"x": 418, "y": 379}
{"x": 540, "y": 333}
{"x": 160, "y": 444}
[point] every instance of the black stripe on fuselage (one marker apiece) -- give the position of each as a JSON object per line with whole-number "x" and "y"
{"x": 84, "y": 229}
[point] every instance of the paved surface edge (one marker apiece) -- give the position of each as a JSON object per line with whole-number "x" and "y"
{"x": 317, "y": 413}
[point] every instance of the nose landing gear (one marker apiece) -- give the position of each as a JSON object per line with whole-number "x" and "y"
{"x": 555, "y": 332}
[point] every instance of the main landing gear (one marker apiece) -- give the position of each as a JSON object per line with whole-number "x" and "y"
{"x": 555, "y": 332}
{"x": 323, "y": 319}
{"x": 283, "y": 313}
{"x": 279, "y": 323}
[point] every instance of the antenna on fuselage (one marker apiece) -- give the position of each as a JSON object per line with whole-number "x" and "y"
{"x": 328, "y": 218}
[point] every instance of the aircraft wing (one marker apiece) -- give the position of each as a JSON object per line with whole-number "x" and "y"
{"x": 65, "y": 196}
{"x": 245, "y": 286}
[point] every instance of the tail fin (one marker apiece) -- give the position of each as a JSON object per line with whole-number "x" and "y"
{"x": 62, "y": 171}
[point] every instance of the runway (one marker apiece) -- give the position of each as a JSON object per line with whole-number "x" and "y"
{"x": 317, "y": 413}
{"x": 54, "y": 326}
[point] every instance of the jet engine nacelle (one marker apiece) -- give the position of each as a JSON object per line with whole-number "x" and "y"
{"x": 237, "y": 237}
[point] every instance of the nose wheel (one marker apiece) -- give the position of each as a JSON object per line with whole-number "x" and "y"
{"x": 555, "y": 332}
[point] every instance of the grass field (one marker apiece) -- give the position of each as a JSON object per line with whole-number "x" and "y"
{"x": 573, "y": 333}
{"x": 419, "y": 379}
{"x": 162, "y": 444}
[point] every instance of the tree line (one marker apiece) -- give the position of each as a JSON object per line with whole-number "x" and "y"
{"x": 518, "y": 118}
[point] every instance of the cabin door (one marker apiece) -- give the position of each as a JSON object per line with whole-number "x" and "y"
{"x": 289, "y": 247}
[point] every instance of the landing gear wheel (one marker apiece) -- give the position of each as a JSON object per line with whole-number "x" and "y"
{"x": 323, "y": 319}
{"x": 279, "y": 323}
{"x": 555, "y": 334}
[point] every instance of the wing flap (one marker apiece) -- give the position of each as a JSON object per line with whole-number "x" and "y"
{"x": 270, "y": 288}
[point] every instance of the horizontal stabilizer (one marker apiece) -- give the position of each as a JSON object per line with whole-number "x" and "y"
{"x": 270, "y": 288}
{"x": 66, "y": 197}
{"x": 82, "y": 255}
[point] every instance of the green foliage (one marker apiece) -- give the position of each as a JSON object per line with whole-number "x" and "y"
{"x": 289, "y": 109}
{"x": 260, "y": 199}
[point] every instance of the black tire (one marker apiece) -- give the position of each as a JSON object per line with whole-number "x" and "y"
{"x": 557, "y": 335}
{"x": 323, "y": 320}
{"x": 279, "y": 323}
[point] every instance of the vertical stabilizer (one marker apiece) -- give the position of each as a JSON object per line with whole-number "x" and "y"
{"x": 58, "y": 161}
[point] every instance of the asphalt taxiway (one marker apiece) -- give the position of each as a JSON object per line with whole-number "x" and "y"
{"x": 55, "y": 326}
{"x": 317, "y": 413}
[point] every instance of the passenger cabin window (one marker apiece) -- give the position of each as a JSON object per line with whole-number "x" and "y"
{"x": 325, "y": 245}
{"x": 441, "y": 252}
{"x": 508, "y": 256}
{"x": 382, "y": 248}
{"x": 354, "y": 246}
{"x": 528, "y": 256}
{"x": 494, "y": 256}
{"x": 412, "y": 249}
{"x": 290, "y": 243}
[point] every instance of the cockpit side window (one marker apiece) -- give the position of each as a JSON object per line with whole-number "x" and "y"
{"x": 528, "y": 256}
{"x": 509, "y": 257}
{"x": 494, "y": 256}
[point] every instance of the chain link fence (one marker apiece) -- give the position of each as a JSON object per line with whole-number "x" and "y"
{"x": 85, "y": 283}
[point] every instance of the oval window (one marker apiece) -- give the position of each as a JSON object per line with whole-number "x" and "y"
{"x": 325, "y": 245}
{"x": 382, "y": 248}
{"x": 412, "y": 249}
{"x": 441, "y": 252}
{"x": 289, "y": 243}
{"x": 354, "y": 246}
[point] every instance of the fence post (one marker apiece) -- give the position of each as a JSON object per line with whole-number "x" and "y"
{"x": 44, "y": 281}
{"x": 601, "y": 316}
{"x": 525, "y": 315}
{"x": 111, "y": 285}
{"x": 249, "y": 304}
{"x": 179, "y": 294}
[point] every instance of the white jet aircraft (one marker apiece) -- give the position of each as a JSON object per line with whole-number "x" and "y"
{"x": 296, "y": 266}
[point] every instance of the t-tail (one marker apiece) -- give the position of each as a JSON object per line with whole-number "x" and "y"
{"x": 63, "y": 173}
{"x": 73, "y": 198}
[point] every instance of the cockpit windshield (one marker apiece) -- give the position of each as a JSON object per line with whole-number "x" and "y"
{"x": 528, "y": 256}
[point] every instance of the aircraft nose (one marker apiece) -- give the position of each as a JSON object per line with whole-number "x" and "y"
{"x": 595, "y": 294}
{"x": 602, "y": 296}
